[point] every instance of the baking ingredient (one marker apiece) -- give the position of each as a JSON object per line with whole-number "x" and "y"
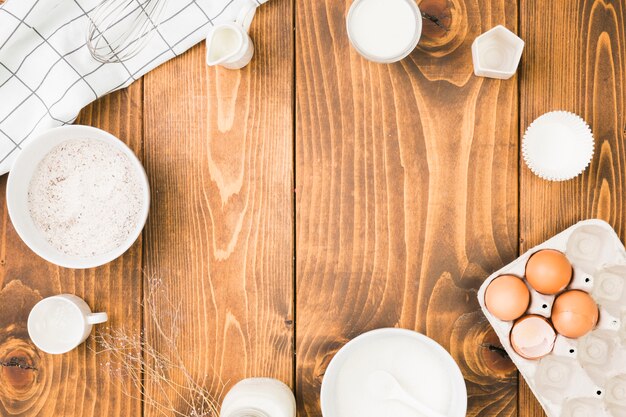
{"x": 86, "y": 197}
{"x": 532, "y": 337}
{"x": 548, "y": 271}
{"x": 507, "y": 297}
{"x": 418, "y": 370}
{"x": 383, "y": 29}
{"x": 574, "y": 314}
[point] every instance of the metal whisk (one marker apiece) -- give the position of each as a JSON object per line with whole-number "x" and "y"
{"x": 120, "y": 29}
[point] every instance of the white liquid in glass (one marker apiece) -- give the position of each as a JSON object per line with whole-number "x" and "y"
{"x": 384, "y": 30}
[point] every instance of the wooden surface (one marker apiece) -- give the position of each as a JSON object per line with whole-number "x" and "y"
{"x": 313, "y": 196}
{"x": 219, "y": 155}
{"x": 33, "y": 383}
{"x": 406, "y": 179}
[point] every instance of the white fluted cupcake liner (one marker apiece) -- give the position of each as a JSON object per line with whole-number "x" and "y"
{"x": 558, "y": 146}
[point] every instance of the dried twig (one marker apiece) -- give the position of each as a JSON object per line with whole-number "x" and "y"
{"x": 162, "y": 369}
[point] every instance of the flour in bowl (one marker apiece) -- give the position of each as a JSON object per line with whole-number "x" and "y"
{"x": 86, "y": 197}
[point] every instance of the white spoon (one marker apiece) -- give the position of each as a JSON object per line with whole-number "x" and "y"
{"x": 385, "y": 386}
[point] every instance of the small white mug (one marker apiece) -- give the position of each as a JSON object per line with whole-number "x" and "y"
{"x": 229, "y": 44}
{"x": 60, "y": 323}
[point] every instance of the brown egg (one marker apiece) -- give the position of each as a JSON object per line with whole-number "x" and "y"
{"x": 507, "y": 297}
{"x": 532, "y": 337}
{"x": 574, "y": 314}
{"x": 548, "y": 271}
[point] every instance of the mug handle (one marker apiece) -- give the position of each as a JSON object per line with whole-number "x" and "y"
{"x": 96, "y": 318}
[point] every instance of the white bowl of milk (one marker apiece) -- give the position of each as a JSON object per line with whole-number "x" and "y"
{"x": 393, "y": 372}
{"x": 384, "y": 31}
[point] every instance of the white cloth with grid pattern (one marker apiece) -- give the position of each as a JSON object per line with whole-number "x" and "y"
{"x": 47, "y": 74}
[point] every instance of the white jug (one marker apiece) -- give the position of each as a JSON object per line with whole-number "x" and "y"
{"x": 228, "y": 44}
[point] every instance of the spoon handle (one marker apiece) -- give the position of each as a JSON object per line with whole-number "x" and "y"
{"x": 418, "y": 406}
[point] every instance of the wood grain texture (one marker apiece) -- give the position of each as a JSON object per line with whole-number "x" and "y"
{"x": 406, "y": 194}
{"x": 575, "y": 61}
{"x": 218, "y": 150}
{"x": 33, "y": 383}
{"x": 407, "y": 197}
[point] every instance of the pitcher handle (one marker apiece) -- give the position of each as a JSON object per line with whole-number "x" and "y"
{"x": 246, "y": 14}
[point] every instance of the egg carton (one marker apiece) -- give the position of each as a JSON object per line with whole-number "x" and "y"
{"x": 583, "y": 377}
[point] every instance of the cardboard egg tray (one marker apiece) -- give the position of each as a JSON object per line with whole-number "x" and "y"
{"x": 586, "y": 376}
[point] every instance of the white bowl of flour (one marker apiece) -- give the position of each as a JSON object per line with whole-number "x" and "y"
{"x": 78, "y": 196}
{"x": 364, "y": 378}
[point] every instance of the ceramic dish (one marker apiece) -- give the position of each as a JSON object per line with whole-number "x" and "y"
{"x": 497, "y": 53}
{"x": 17, "y": 194}
{"x": 404, "y": 355}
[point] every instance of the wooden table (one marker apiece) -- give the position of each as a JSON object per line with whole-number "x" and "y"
{"x": 313, "y": 196}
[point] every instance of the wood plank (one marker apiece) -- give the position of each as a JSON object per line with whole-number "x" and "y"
{"x": 407, "y": 193}
{"x": 219, "y": 155}
{"x": 75, "y": 384}
{"x": 575, "y": 61}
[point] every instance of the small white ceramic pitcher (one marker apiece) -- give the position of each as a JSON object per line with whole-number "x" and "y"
{"x": 229, "y": 44}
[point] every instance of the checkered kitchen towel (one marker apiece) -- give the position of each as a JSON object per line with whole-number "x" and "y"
{"x": 47, "y": 73}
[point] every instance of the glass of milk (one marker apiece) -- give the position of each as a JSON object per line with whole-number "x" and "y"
{"x": 384, "y": 31}
{"x": 58, "y": 324}
{"x": 259, "y": 397}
